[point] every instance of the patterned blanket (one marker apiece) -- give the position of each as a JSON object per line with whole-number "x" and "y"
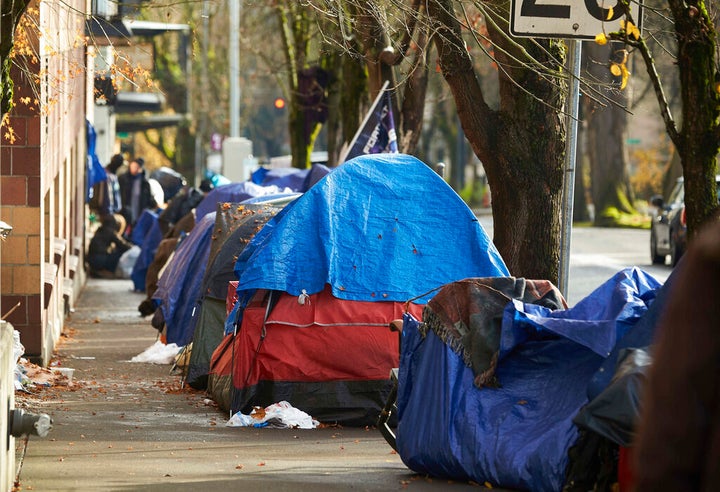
{"x": 467, "y": 316}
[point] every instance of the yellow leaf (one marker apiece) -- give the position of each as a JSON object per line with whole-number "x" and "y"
{"x": 610, "y": 14}
{"x": 635, "y": 32}
{"x": 601, "y": 39}
{"x": 615, "y": 70}
{"x": 625, "y": 77}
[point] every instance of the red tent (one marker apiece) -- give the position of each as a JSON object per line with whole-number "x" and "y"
{"x": 326, "y": 356}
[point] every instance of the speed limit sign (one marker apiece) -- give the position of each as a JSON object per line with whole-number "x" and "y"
{"x": 582, "y": 19}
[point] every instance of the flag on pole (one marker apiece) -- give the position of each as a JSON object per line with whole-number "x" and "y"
{"x": 377, "y": 131}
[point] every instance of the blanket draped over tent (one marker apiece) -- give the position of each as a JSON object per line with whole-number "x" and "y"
{"x": 518, "y": 434}
{"x": 467, "y": 315}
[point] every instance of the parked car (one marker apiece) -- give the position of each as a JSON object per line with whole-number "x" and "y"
{"x": 668, "y": 232}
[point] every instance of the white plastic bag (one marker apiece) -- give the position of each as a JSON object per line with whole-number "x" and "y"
{"x": 18, "y": 347}
{"x": 127, "y": 262}
{"x": 158, "y": 353}
{"x": 280, "y": 414}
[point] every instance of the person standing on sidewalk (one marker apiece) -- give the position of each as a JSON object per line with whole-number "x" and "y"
{"x": 135, "y": 192}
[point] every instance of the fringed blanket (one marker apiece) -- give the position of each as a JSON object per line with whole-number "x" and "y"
{"x": 467, "y": 316}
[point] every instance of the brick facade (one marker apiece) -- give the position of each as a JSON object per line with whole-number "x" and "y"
{"x": 42, "y": 180}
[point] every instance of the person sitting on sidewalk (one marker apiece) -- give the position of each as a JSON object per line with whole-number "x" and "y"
{"x": 106, "y": 248}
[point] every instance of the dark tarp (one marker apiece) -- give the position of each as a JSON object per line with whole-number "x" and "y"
{"x": 235, "y": 225}
{"x": 170, "y": 180}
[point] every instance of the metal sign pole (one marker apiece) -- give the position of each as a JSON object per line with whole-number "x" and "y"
{"x": 574, "y": 54}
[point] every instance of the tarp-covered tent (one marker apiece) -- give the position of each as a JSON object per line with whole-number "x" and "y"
{"x": 234, "y": 193}
{"x": 299, "y": 180}
{"x": 170, "y": 180}
{"x": 516, "y": 435}
{"x": 378, "y": 229}
{"x": 235, "y": 225}
{"x": 179, "y": 284}
{"x": 148, "y": 248}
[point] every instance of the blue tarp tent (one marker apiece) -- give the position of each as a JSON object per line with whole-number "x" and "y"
{"x": 284, "y": 177}
{"x": 179, "y": 284}
{"x": 142, "y": 226}
{"x": 516, "y": 435}
{"x": 381, "y": 227}
{"x": 148, "y": 248}
{"x": 234, "y": 192}
{"x": 379, "y": 230}
{"x": 299, "y": 180}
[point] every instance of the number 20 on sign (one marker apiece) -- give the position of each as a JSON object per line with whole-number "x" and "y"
{"x": 582, "y": 19}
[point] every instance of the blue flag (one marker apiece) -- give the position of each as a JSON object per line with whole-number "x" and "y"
{"x": 377, "y": 133}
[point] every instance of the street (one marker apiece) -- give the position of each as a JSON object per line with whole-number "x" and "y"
{"x": 597, "y": 253}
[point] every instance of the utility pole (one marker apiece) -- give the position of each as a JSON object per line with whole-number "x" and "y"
{"x": 234, "y": 63}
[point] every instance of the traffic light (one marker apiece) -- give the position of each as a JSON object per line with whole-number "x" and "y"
{"x": 279, "y": 103}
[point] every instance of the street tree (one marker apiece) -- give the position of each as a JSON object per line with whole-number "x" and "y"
{"x": 520, "y": 140}
{"x": 606, "y": 122}
{"x": 521, "y": 143}
{"x": 697, "y": 135}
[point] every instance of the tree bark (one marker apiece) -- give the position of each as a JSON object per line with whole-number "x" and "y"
{"x": 606, "y": 131}
{"x": 700, "y": 134}
{"x": 521, "y": 145}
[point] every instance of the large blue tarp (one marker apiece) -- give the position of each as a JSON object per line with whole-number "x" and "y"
{"x": 142, "y": 226}
{"x": 299, "y": 180}
{"x": 179, "y": 284}
{"x": 234, "y": 192}
{"x": 148, "y": 248}
{"x": 381, "y": 227}
{"x": 518, "y": 435}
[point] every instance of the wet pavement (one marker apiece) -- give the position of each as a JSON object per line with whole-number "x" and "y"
{"x": 121, "y": 426}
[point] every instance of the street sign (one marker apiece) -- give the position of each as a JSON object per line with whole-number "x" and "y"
{"x": 581, "y": 19}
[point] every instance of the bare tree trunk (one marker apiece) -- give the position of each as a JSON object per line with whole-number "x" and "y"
{"x": 606, "y": 149}
{"x": 521, "y": 146}
{"x": 700, "y": 136}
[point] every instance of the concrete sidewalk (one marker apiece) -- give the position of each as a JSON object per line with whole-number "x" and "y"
{"x": 130, "y": 426}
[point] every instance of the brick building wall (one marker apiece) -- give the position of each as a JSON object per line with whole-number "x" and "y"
{"x": 42, "y": 180}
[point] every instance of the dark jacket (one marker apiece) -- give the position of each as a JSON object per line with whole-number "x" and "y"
{"x": 107, "y": 241}
{"x": 126, "y": 181}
